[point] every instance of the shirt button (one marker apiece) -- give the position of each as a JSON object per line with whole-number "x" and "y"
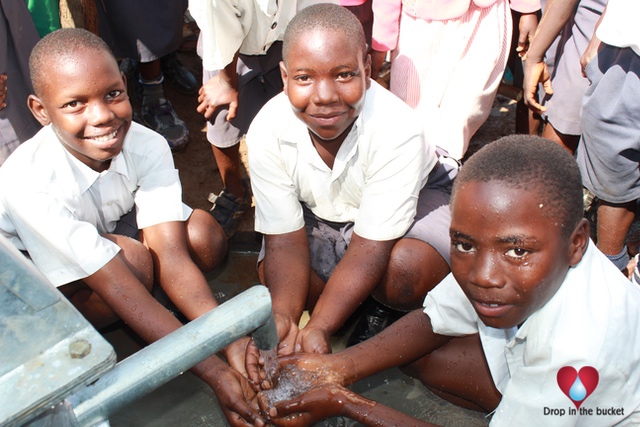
{"x": 274, "y": 25}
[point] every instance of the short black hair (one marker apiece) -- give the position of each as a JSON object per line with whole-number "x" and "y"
{"x": 323, "y": 16}
{"x": 534, "y": 164}
{"x": 59, "y": 44}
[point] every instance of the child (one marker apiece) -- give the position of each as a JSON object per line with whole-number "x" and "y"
{"x": 448, "y": 58}
{"x": 241, "y": 47}
{"x": 91, "y": 175}
{"x": 609, "y": 149}
{"x": 339, "y": 170}
{"x": 530, "y": 301}
{"x": 553, "y": 59}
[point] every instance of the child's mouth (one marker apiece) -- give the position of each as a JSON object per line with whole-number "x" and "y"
{"x": 103, "y": 138}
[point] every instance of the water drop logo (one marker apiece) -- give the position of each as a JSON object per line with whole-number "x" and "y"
{"x": 578, "y": 385}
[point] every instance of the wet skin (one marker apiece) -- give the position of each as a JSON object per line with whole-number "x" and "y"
{"x": 87, "y": 105}
{"x": 508, "y": 255}
{"x": 326, "y": 81}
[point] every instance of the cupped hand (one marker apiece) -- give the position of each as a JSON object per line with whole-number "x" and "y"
{"x": 216, "y": 93}
{"x": 287, "y": 334}
{"x": 313, "y": 340}
{"x": 237, "y": 399}
{"x": 314, "y": 405}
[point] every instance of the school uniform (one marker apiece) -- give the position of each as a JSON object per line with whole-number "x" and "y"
{"x": 448, "y": 58}
{"x": 254, "y": 29}
{"x": 384, "y": 172}
{"x": 592, "y": 320}
{"x": 609, "y": 150}
{"x": 55, "y": 207}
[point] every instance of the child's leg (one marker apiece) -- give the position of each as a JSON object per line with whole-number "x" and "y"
{"x": 206, "y": 240}
{"x": 89, "y": 304}
{"x": 415, "y": 268}
{"x": 569, "y": 142}
{"x": 458, "y": 372}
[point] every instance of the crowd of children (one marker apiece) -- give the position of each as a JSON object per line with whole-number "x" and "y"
{"x": 489, "y": 264}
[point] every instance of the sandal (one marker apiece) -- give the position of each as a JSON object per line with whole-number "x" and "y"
{"x": 228, "y": 209}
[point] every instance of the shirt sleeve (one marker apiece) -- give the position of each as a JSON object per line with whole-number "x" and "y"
{"x": 278, "y": 208}
{"x": 449, "y": 309}
{"x": 64, "y": 248}
{"x": 386, "y": 24}
{"x": 158, "y": 198}
{"x": 223, "y": 26}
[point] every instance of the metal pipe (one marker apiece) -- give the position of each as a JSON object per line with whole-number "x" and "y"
{"x": 170, "y": 356}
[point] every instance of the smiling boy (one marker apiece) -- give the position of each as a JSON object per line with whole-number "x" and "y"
{"x": 529, "y": 298}
{"x": 339, "y": 171}
{"x": 96, "y": 202}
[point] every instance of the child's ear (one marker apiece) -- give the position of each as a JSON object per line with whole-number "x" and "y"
{"x": 38, "y": 110}
{"x": 367, "y": 69}
{"x": 283, "y": 74}
{"x": 578, "y": 242}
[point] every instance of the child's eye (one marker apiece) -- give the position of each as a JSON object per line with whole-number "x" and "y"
{"x": 346, "y": 75}
{"x": 517, "y": 253}
{"x": 72, "y": 105}
{"x": 302, "y": 79}
{"x": 114, "y": 94}
{"x": 463, "y": 247}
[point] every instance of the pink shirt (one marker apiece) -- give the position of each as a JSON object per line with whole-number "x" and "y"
{"x": 386, "y": 21}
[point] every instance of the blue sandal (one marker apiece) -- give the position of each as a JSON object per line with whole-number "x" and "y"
{"x": 228, "y": 209}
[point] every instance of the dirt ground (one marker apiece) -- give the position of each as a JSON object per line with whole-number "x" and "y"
{"x": 198, "y": 171}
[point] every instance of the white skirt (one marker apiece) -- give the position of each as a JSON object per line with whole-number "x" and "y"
{"x": 450, "y": 71}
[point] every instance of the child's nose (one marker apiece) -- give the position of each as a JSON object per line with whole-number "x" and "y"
{"x": 325, "y": 92}
{"x": 485, "y": 271}
{"x": 99, "y": 113}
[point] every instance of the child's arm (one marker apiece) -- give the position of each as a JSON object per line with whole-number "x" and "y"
{"x": 556, "y": 14}
{"x": 119, "y": 288}
{"x": 332, "y": 399}
{"x": 354, "y": 278}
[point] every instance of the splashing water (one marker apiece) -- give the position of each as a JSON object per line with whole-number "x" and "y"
{"x": 270, "y": 358}
{"x": 293, "y": 381}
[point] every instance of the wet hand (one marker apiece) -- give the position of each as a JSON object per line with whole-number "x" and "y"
{"x": 217, "y": 93}
{"x": 237, "y": 399}
{"x": 313, "y": 340}
{"x": 255, "y": 363}
{"x": 314, "y": 405}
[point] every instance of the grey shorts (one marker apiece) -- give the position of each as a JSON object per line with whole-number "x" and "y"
{"x": 259, "y": 81}
{"x": 328, "y": 241}
{"x": 609, "y": 150}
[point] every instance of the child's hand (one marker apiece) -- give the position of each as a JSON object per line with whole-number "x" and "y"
{"x": 321, "y": 402}
{"x": 313, "y": 340}
{"x": 235, "y": 354}
{"x": 527, "y": 28}
{"x": 534, "y": 73}
{"x": 589, "y": 53}
{"x": 216, "y": 93}
{"x": 237, "y": 398}
{"x": 287, "y": 334}
{"x": 3, "y": 90}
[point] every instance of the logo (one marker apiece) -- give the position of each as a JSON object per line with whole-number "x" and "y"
{"x": 577, "y": 385}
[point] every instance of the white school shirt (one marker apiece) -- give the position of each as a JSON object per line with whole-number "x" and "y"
{"x": 376, "y": 177}
{"x": 592, "y": 320}
{"x": 246, "y": 26}
{"x": 619, "y": 26}
{"x": 55, "y": 207}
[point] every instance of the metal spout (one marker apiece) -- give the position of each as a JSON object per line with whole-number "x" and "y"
{"x": 167, "y": 358}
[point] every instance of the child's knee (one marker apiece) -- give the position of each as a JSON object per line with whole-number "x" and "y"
{"x": 136, "y": 256}
{"x": 207, "y": 242}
